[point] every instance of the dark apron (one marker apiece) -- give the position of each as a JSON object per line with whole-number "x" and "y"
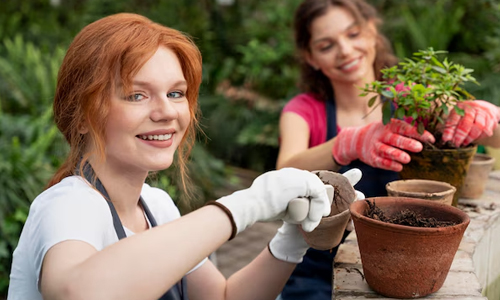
{"x": 179, "y": 290}
{"x": 312, "y": 279}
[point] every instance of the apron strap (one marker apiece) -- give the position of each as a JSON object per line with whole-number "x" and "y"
{"x": 177, "y": 292}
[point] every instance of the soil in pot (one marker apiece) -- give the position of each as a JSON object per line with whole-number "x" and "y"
{"x": 447, "y": 165}
{"x": 330, "y": 230}
{"x": 405, "y": 217}
{"x": 402, "y": 261}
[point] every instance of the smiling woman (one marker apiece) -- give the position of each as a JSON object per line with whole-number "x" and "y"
{"x": 328, "y": 126}
{"x": 126, "y": 102}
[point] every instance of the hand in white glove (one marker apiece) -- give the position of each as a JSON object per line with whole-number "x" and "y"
{"x": 288, "y": 244}
{"x": 268, "y": 197}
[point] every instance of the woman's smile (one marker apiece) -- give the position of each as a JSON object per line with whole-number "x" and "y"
{"x": 351, "y": 66}
{"x": 157, "y": 140}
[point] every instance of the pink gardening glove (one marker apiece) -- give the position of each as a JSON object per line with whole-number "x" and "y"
{"x": 379, "y": 146}
{"x": 479, "y": 120}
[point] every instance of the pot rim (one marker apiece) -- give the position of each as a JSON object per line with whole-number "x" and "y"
{"x": 484, "y": 159}
{"x": 461, "y": 149}
{"x": 450, "y": 189}
{"x": 356, "y": 216}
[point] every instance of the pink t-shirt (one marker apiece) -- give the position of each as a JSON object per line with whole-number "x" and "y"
{"x": 313, "y": 111}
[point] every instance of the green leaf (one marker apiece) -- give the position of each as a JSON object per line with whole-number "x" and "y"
{"x": 386, "y": 112}
{"x": 387, "y": 94}
{"x": 372, "y": 101}
{"x": 459, "y": 111}
{"x": 420, "y": 128}
{"x": 445, "y": 109}
{"x": 400, "y": 113}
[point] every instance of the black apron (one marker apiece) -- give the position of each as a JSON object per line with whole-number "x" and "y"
{"x": 312, "y": 279}
{"x": 179, "y": 290}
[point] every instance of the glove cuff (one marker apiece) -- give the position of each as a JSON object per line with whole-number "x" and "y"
{"x": 340, "y": 154}
{"x": 229, "y": 215}
{"x": 288, "y": 245}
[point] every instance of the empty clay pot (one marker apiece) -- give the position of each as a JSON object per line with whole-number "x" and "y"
{"x": 330, "y": 230}
{"x": 433, "y": 190}
{"x": 402, "y": 261}
{"x": 477, "y": 176}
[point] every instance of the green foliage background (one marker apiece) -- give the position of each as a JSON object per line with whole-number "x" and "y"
{"x": 249, "y": 74}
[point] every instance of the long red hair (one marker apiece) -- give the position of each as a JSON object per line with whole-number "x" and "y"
{"x": 105, "y": 53}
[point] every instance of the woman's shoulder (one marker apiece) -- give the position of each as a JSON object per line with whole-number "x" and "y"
{"x": 71, "y": 191}
{"x": 304, "y": 100}
{"x": 304, "y": 105}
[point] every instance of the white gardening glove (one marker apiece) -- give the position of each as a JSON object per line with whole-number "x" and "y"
{"x": 288, "y": 244}
{"x": 268, "y": 197}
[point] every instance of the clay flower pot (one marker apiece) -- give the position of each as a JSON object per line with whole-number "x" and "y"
{"x": 330, "y": 230}
{"x": 447, "y": 165}
{"x": 477, "y": 176}
{"x": 433, "y": 190}
{"x": 402, "y": 261}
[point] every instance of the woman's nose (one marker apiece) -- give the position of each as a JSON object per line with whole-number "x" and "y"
{"x": 163, "y": 109}
{"x": 345, "y": 47}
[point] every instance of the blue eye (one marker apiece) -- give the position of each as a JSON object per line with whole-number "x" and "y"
{"x": 176, "y": 94}
{"x": 135, "y": 97}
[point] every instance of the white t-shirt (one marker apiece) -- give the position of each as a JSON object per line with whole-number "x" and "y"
{"x": 71, "y": 210}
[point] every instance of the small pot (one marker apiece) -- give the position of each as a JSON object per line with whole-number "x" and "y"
{"x": 330, "y": 230}
{"x": 403, "y": 261}
{"x": 433, "y": 190}
{"x": 477, "y": 176}
{"x": 447, "y": 165}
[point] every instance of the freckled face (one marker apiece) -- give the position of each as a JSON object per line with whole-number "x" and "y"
{"x": 341, "y": 48}
{"x": 145, "y": 128}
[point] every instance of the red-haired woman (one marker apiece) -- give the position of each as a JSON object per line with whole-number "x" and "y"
{"x": 126, "y": 101}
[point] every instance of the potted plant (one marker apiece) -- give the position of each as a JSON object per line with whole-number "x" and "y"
{"x": 423, "y": 90}
{"x": 407, "y": 245}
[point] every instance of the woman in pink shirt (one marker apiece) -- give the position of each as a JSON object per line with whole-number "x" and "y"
{"x": 330, "y": 126}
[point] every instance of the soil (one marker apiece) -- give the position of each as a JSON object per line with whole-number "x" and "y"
{"x": 343, "y": 190}
{"x": 405, "y": 217}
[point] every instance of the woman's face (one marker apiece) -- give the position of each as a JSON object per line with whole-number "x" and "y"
{"x": 342, "y": 49}
{"x": 144, "y": 128}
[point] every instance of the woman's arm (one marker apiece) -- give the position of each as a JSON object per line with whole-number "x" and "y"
{"x": 378, "y": 145}
{"x": 262, "y": 279}
{"x": 294, "y": 146}
{"x": 145, "y": 265}
{"x": 142, "y": 266}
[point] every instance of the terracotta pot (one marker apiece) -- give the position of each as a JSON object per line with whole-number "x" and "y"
{"x": 437, "y": 191}
{"x": 448, "y": 165}
{"x": 330, "y": 230}
{"x": 402, "y": 261}
{"x": 477, "y": 176}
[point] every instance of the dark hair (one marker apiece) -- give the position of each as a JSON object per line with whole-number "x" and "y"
{"x": 105, "y": 53}
{"x": 314, "y": 81}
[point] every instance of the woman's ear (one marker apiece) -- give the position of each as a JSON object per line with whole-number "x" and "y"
{"x": 82, "y": 128}
{"x": 310, "y": 61}
{"x": 372, "y": 27}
